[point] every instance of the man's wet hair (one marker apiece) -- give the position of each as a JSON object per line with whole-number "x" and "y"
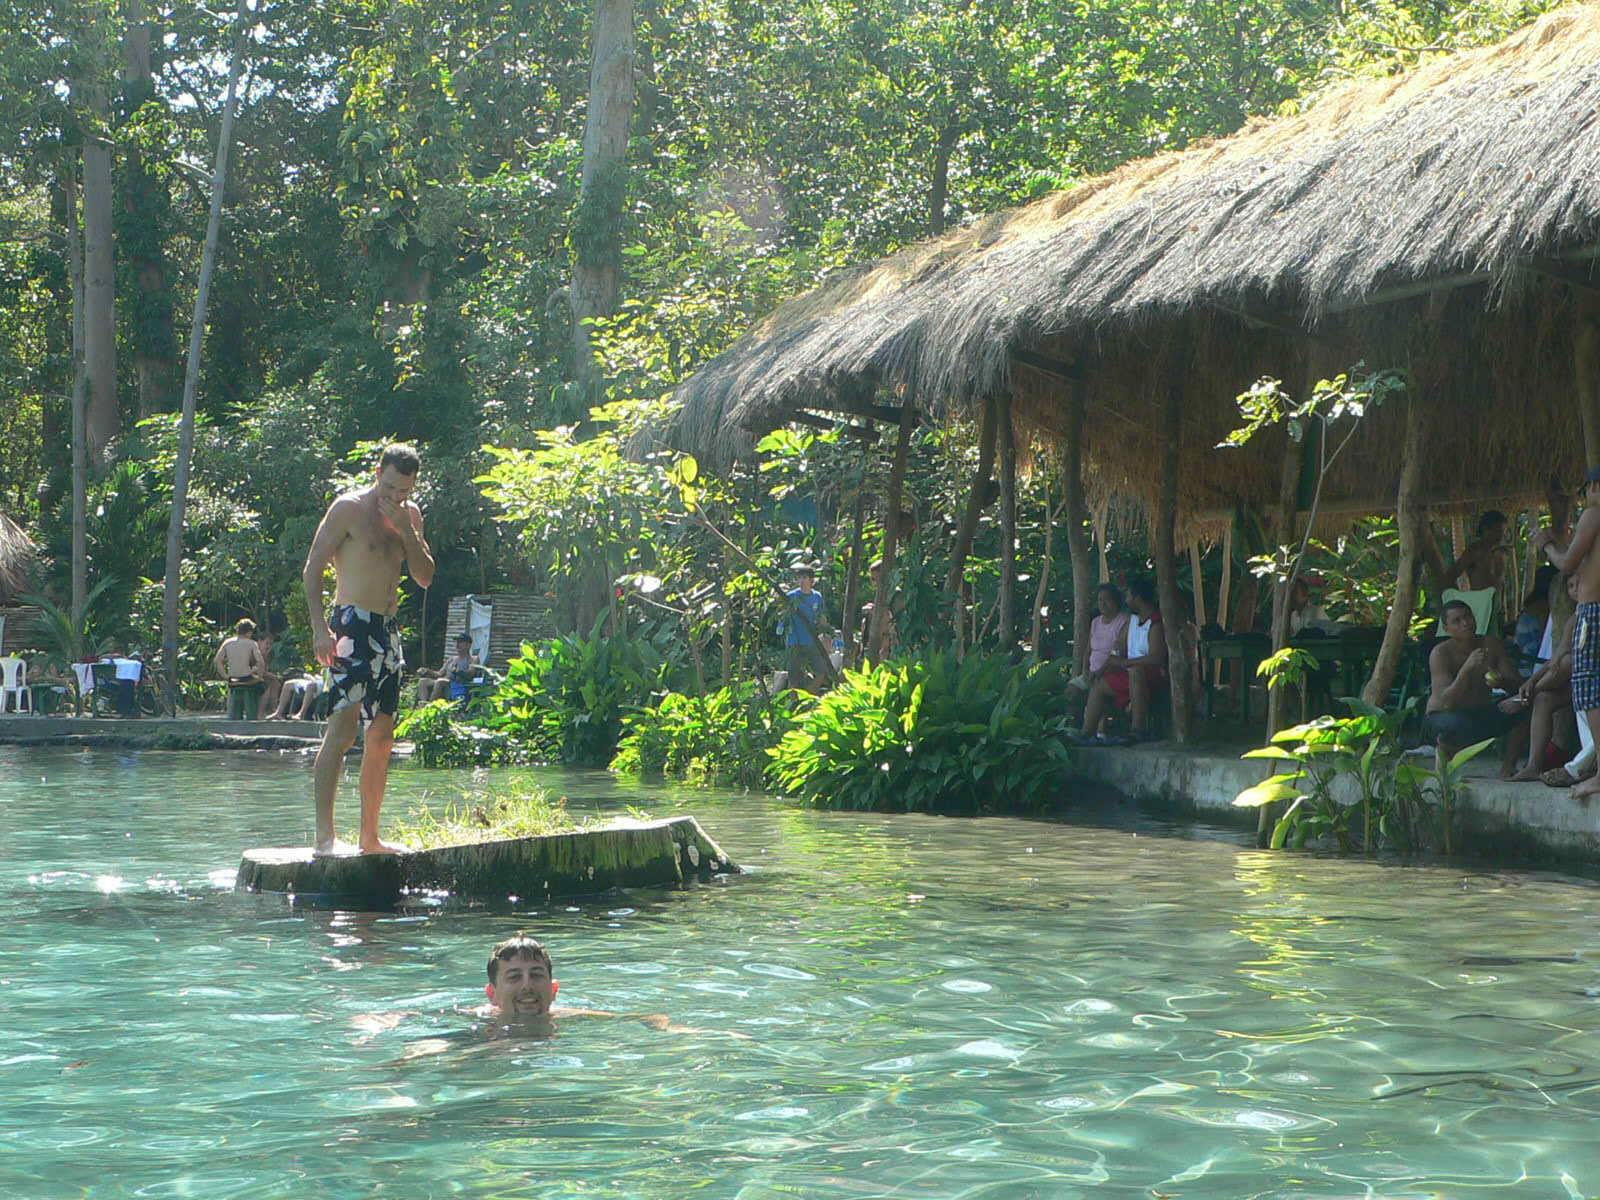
{"x": 1489, "y": 520}
{"x": 516, "y": 947}
{"x": 401, "y": 457}
{"x": 245, "y": 627}
{"x": 1463, "y": 606}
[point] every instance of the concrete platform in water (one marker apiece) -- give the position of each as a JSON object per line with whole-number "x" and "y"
{"x": 189, "y": 732}
{"x": 626, "y": 854}
{"x": 1496, "y": 820}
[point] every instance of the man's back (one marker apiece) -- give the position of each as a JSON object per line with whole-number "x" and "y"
{"x": 239, "y": 657}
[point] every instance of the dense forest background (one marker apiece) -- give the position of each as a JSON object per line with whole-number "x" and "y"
{"x": 405, "y": 211}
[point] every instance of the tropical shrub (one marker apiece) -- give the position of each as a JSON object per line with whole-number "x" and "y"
{"x": 565, "y": 698}
{"x": 439, "y": 737}
{"x": 719, "y": 738}
{"x": 937, "y": 735}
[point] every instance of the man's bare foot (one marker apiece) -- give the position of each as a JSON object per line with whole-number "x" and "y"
{"x": 379, "y": 847}
{"x": 333, "y": 846}
{"x": 1527, "y": 775}
{"x": 1587, "y": 788}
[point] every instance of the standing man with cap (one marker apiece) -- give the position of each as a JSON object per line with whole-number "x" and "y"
{"x": 806, "y": 620}
{"x": 1582, "y": 558}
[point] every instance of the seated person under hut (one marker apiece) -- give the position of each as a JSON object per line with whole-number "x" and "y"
{"x": 1467, "y": 669}
{"x": 1136, "y": 669}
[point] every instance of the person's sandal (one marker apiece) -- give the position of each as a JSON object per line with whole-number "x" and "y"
{"x": 1557, "y": 777}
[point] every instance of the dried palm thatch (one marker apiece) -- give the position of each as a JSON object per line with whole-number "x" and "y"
{"x": 17, "y": 558}
{"x": 1478, "y": 172}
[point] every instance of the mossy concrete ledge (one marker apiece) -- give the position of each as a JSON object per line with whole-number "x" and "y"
{"x": 624, "y": 854}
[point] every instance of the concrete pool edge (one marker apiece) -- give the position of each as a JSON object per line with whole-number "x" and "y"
{"x": 661, "y": 853}
{"x": 1496, "y": 821}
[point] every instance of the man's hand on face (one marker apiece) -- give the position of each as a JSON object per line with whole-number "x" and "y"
{"x": 396, "y": 516}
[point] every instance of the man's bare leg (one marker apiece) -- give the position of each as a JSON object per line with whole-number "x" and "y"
{"x": 336, "y": 742}
{"x": 374, "y": 779}
{"x": 1590, "y": 785}
{"x": 1545, "y": 707}
{"x": 1139, "y": 699}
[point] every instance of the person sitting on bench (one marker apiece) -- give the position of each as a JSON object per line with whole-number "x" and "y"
{"x": 1466, "y": 668}
{"x": 1137, "y": 668}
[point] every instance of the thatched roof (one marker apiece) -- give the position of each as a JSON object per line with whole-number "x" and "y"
{"x": 18, "y": 556}
{"x": 1465, "y": 171}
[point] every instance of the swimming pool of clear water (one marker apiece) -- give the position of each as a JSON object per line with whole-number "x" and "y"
{"x": 933, "y": 1008}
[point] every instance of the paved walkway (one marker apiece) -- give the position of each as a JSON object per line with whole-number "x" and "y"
{"x": 25, "y": 727}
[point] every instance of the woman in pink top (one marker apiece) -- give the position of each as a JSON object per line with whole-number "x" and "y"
{"x": 1104, "y": 631}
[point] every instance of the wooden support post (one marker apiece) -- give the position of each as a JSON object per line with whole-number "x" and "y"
{"x": 1083, "y": 584}
{"x": 1222, "y": 591}
{"x": 1008, "y": 527}
{"x": 1199, "y": 581}
{"x": 1586, "y": 354}
{"x": 891, "y": 529}
{"x": 1173, "y": 620}
{"x": 977, "y": 500}
{"x": 852, "y": 587}
{"x": 1283, "y": 536}
{"x": 1102, "y": 517}
{"x": 1412, "y": 515}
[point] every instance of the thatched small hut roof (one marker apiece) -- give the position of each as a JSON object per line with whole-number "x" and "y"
{"x": 1468, "y": 171}
{"x": 18, "y": 557}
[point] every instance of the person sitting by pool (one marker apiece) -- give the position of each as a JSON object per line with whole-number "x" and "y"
{"x": 455, "y": 679}
{"x": 1110, "y": 619}
{"x": 297, "y": 699}
{"x": 1548, "y": 694}
{"x": 1466, "y": 669}
{"x": 1136, "y": 669}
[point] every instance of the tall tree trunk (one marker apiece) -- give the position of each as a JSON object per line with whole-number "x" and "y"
{"x": 80, "y": 405}
{"x": 1036, "y": 633}
{"x": 939, "y": 190}
{"x": 99, "y": 258}
{"x": 602, "y": 193}
{"x": 56, "y": 415}
{"x": 143, "y": 212}
{"x": 1411, "y": 515}
{"x": 1083, "y": 583}
{"x": 891, "y": 529}
{"x": 1173, "y": 618}
{"x": 172, "y": 593}
{"x": 1008, "y": 527}
{"x": 977, "y": 500}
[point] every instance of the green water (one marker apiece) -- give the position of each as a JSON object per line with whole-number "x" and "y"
{"x": 934, "y": 1008}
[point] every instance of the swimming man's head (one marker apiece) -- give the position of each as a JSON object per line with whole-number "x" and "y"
{"x": 520, "y": 983}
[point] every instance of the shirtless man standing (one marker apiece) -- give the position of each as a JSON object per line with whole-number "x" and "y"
{"x": 369, "y": 536}
{"x": 1581, "y": 558}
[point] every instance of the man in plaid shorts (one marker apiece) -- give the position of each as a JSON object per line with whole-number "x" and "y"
{"x": 1581, "y": 558}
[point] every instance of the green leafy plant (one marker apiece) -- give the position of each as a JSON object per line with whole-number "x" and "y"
{"x": 1363, "y": 748}
{"x": 70, "y": 637}
{"x": 940, "y": 734}
{"x": 719, "y": 738}
{"x": 1442, "y": 786}
{"x": 439, "y": 737}
{"x": 565, "y": 698}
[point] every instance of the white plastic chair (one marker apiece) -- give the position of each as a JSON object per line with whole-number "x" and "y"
{"x": 14, "y": 685}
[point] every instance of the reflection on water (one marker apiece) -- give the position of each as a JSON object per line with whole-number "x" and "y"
{"x": 935, "y": 1008}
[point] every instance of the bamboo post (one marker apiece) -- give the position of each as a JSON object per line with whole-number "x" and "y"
{"x": 1008, "y": 527}
{"x": 852, "y": 587}
{"x": 1101, "y": 521}
{"x": 977, "y": 500}
{"x": 891, "y": 527}
{"x": 1199, "y": 584}
{"x": 1288, "y": 486}
{"x": 1222, "y": 588}
{"x": 1410, "y": 516}
{"x": 1172, "y": 618}
{"x": 1586, "y": 355}
{"x": 1077, "y": 538}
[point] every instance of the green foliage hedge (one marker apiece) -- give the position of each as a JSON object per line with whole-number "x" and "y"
{"x": 565, "y": 698}
{"x": 933, "y": 735}
{"x": 720, "y": 738}
{"x": 440, "y": 737}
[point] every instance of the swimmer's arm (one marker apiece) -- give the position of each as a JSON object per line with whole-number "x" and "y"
{"x": 657, "y": 1021}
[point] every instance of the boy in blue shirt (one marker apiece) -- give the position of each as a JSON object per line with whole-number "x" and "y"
{"x": 805, "y": 624}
